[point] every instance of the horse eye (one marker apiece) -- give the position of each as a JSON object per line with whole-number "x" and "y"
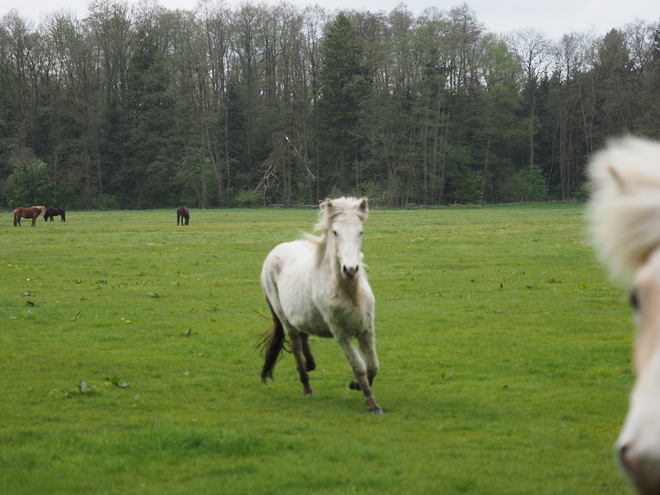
{"x": 361, "y": 233}
{"x": 334, "y": 232}
{"x": 634, "y": 300}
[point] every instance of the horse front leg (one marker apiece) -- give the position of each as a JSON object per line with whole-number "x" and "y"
{"x": 362, "y": 380}
{"x": 297, "y": 346}
{"x": 367, "y": 343}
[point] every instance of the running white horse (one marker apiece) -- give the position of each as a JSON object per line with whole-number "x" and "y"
{"x": 318, "y": 286}
{"x": 625, "y": 222}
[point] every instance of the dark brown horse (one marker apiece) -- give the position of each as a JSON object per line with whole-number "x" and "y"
{"x": 55, "y": 212}
{"x": 182, "y": 214}
{"x": 32, "y": 213}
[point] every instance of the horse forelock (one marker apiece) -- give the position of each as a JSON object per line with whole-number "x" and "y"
{"x": 346, "y": 207}
{"x": 624, "y": 209}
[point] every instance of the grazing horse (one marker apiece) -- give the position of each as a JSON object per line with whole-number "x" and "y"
{"x": 32, "y": 213}
{"x": 318, "y": 286}
{"x": 182, "y": 214}
{"x": 624, "y": 214}
{"x": 54, "y": 212}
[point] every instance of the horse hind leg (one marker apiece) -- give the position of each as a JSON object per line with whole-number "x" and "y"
{"x": 310, "y": 363}
{"x": 273, "y": 341}
{"x": 297, "y": 349}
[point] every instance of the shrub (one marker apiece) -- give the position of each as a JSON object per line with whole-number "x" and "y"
{"x": 244, "y": 198}
{"x": 528, "y": 184}
{"x": 29, "y": 185}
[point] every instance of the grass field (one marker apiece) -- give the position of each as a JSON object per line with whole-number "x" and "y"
{"x": 128, "y": 361}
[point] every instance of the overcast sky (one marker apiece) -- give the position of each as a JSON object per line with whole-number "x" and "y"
{"x": 552, "y": 17}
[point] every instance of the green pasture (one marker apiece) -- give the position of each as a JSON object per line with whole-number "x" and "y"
{"x": 128, "y": 361}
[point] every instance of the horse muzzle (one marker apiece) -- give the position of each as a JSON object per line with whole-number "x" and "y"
{"x": 638, "y": 446}
{"x": 349, "y": 272}
{"x": 642, "y": 469}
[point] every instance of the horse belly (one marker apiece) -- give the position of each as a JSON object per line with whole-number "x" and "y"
{"x": 286, "y": 281}
{"x": 312, "y": 325}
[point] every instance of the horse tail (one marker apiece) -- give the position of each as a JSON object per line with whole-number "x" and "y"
{"x": 273, "y": 341}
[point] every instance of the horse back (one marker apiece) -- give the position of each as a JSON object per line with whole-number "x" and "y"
{"x": 289, "y": 259}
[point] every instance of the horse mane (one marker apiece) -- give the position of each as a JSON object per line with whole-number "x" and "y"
{"x": 329, "y": 211}
{"x": 624, "y": 210}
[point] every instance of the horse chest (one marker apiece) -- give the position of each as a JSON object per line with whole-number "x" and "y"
{"x": 351, "y": 319}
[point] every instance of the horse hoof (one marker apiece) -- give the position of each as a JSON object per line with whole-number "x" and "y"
{"x": 376, "y": 411}
{"x": 354, "y": 385}
{"x": 310, "y": 393}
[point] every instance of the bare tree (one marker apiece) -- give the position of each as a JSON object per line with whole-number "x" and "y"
{"x": 533, "y": 51}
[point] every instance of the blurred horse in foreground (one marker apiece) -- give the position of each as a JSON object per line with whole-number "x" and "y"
{"x": 624, "y": 214}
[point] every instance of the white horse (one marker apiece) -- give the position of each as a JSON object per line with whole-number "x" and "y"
{"x": 318, "y": 286}
{"x": 625, "y": 222}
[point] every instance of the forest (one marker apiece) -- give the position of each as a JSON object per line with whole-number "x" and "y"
{"x": 255, "y": 105}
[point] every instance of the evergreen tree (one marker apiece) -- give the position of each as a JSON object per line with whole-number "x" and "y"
{"x": 345, "y": 86}
{"x": 145, "y": 178}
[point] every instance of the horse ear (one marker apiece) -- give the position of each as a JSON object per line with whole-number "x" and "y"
{"x": 618, "y": 179}
{"x": 364, "y": 205}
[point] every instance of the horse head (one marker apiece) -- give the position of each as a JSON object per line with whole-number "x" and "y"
{"x": 625, "y": 223}
{"x": 341, "y": 221}
{"x": 639, "y": 442}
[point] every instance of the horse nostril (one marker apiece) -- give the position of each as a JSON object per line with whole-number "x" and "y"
{"x": 623, "y": 458}
{"x": 643, "y": 473}
{"x": 629, "y": 464}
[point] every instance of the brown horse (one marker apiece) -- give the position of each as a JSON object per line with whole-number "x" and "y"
{"x": 32, "y": 213}
{"x": 182, "y": 214}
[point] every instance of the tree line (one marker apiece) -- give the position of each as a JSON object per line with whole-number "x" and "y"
{"x": 253, "y": 105}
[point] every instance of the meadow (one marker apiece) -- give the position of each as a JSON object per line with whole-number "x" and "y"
{"x": 128, "y": 361}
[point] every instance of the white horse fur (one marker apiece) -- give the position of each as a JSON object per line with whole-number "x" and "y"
{"x": 624, "y": 214}
{"x": 318, "y": 286}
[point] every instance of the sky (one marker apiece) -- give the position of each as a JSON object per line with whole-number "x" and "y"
{"x": 552, "y": 17}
